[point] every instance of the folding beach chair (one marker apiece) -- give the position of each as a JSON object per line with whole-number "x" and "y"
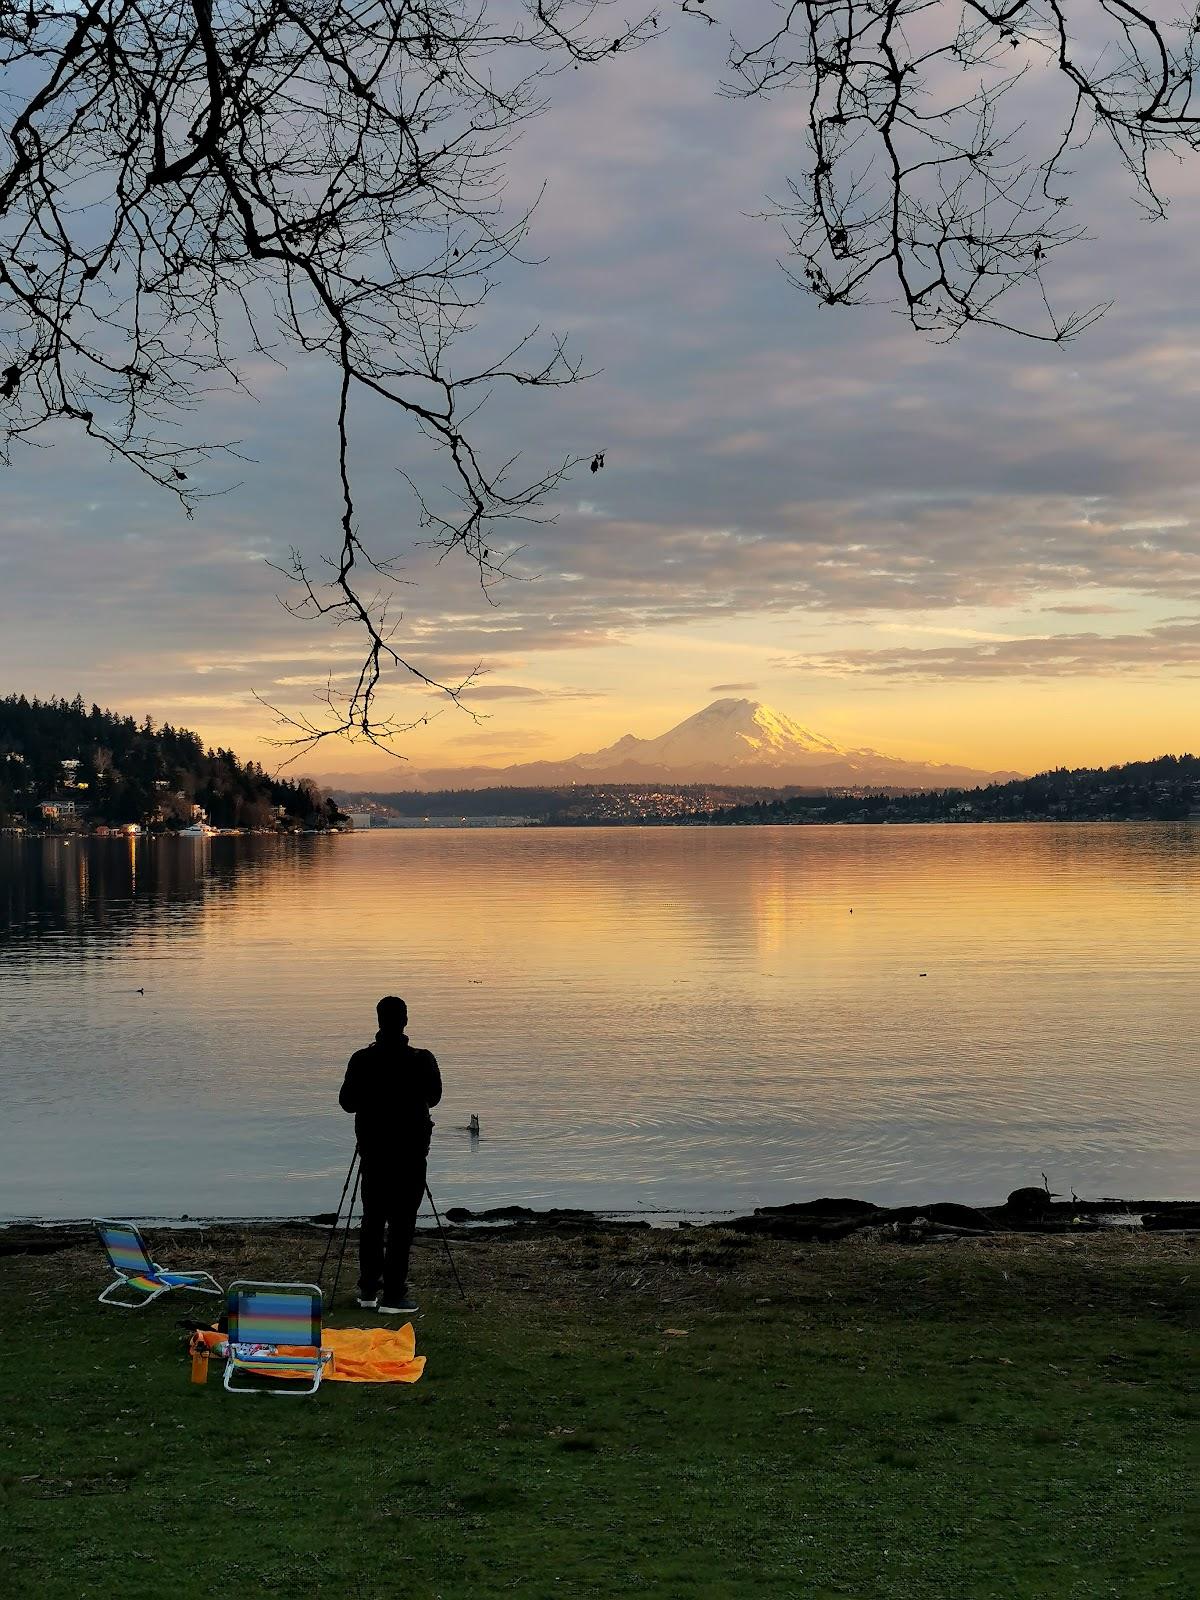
{"x": 134, "y": 1269}
{"x": 275, "y": 1331}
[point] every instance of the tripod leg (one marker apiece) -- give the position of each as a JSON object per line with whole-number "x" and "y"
{"x": 445, "y": 1243}
{"x": 337, "y": 1217}
{"x": 337, "y": 1277}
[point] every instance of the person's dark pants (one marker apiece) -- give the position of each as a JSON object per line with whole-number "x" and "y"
{"x": 392, "y": 1189}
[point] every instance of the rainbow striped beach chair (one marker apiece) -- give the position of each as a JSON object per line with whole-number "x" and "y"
{"x": 126, "y": 1250}
{"x": 275, "y": 1331}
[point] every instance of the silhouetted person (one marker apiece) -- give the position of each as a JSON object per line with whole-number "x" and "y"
{"x": 390, "y": 1087}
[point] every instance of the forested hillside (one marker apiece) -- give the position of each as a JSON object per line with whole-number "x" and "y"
{"x": 105, "y": 768}
{"x": 1165, "y": 789}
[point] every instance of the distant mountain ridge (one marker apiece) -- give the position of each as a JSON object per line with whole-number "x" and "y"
{"x": 731, "y": 740}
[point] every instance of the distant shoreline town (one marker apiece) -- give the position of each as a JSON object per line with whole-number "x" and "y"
{"x": 1163, "y": 790}
{"x": 69, "y": 769}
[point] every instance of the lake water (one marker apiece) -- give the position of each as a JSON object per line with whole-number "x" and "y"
{"x": 643, "y": 1018}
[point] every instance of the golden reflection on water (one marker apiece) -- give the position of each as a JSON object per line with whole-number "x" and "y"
{"x": 684, "y": 1017}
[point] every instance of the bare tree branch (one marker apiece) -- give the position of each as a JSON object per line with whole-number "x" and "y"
{"x": 328, "y": 173}
{"x": 939, "y": 133}
{"x": 185, "y": 180}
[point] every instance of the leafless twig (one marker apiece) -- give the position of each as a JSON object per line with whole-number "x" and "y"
{"x": 326, "y": 173}
{"x": 939, "y": 135}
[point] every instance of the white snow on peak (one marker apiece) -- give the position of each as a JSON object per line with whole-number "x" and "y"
{"x": 727, "y": 733}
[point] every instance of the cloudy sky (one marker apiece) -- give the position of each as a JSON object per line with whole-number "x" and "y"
{"x": 984, "y": 552}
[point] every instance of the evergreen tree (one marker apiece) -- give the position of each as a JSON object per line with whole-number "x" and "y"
{"x": 136, "y": 773}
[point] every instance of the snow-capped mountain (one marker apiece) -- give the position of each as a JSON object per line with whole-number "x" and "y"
{"x": 728, "y": 734}
{"x": 739, "y": 741}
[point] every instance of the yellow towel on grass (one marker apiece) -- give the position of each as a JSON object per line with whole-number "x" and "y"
{"x": 374, "y": 1355}
{"x": 360, "y": 1355}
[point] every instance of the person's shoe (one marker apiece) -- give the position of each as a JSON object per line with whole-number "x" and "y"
{"x": 398, "y": 1305}
{"x": 369, "y": 1302}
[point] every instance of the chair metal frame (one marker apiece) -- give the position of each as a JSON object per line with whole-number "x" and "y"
{"x": 241, "y": 1356}
{"x": 166, "y": 1280}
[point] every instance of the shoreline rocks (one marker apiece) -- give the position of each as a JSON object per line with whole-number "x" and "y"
{"x": 824, "y": 1220}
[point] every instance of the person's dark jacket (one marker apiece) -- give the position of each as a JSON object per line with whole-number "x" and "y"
{"x": 390, "y": 1087}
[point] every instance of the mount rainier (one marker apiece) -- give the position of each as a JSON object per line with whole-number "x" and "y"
{"x": 740, "y": 741}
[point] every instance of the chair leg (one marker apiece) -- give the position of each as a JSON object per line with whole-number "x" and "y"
{"x": 231, "y": 1367}
{"x": 190, "y": 1282}
{"x": 312, "y": 1389}
{"x": 107, "y": 1298}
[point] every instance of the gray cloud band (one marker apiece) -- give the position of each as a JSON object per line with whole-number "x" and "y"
{"x": 1173, "y": 646}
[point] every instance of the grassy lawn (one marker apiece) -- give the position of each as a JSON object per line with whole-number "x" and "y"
{"x": 998, "y": 1419}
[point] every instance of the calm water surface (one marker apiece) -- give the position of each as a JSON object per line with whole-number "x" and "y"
{"x": 646, "y": 1018}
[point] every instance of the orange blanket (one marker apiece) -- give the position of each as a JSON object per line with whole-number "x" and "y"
{"x": 360, "y": 1355}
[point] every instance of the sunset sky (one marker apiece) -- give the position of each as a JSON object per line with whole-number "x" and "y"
{"x": 986, "y": 552}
